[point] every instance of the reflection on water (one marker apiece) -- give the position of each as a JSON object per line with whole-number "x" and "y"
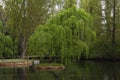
{"x": 74, "y": 71}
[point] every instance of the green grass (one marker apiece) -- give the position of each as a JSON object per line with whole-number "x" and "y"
{"x": 13, "y": 60}
{"x": 49, "y": 64}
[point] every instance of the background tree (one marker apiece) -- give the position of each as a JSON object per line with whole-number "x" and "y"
{"x": 22, "y": 17}
{"x": 106, "y": 24}
{"x": 5, "y": 44}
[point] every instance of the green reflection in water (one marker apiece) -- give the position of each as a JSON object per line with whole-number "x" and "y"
{"x": 74, "y": 71}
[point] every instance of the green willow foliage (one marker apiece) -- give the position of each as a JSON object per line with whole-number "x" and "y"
{"x": 66, "y": 35}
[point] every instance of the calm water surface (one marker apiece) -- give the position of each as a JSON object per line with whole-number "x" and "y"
{"x": 74, "y": 71}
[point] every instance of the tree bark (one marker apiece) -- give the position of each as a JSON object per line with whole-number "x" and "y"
{"x": 114, "y": 23}
{"x": 24, "y": 24}
{"x": 23, "y": 46}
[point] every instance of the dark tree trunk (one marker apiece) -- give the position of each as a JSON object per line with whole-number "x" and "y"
{"x": 23, "y": 43}
{"x": 114, "y": 23}
{"x": 23, "y": 47}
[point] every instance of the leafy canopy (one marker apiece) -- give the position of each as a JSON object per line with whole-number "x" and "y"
{"x": 67, "y": 34}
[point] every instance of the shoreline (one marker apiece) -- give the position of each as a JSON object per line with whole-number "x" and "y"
{"x": 15, "y": 63}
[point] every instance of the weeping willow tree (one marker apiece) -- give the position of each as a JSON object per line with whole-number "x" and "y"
{"x": 67, "y": 35}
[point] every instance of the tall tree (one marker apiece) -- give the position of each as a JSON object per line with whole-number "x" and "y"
{"x": 112, "y": 11}
{"x": 22, "y": 17}
{"x": 66, "y": 35}
{"x": 106, "y": 20}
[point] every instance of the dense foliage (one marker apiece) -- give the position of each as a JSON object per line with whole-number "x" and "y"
{"x": 67, "y": 34}
{"x": 64, "y": 30}
{"x": 5, "y": 44}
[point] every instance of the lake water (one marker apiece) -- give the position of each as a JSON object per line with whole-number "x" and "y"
{"x": 74, "y": 71}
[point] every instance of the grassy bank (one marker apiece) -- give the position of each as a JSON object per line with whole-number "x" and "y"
{"x": 49, "y": 66}
{"x": 14, "y": 60}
